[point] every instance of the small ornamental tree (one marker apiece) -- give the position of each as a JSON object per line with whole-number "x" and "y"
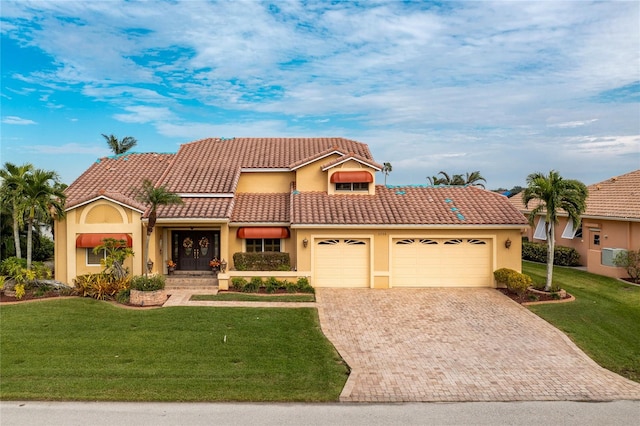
{"x": 116, "y": 252}
{"x": 629, "y": 260}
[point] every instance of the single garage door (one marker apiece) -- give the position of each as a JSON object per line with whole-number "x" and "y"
{"x": 440, "y": 262}
{"x": 341, "y": 263}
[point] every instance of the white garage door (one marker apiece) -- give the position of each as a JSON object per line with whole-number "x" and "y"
{"x": 341, "y": 263}
{"x": 438, "y": 262}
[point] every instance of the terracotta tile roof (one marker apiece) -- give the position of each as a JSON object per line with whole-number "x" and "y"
{"x": 455, "y": 205}
{"x": 210, "y": 208}
{"x": 261, "y": 208}
{"x": 349, "y": 157}
{"x": 212, "y": 165}
{"x": 617, "y": 197}
{"x": 117, "y": 177}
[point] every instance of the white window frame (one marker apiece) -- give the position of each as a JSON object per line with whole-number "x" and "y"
{"x": 569, "y": 233}
{"x": 541, "y": 230}
{"x": 88, "y": 251}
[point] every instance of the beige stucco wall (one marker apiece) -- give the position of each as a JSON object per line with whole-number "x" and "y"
{"x": 100, "y": 216}
{"x": 613, "y": 234}
{"x": 311, "y": 177}
{"x": 265, "y": 182}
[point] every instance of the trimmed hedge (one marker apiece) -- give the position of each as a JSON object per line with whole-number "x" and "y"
{"x": 265, "y": 261}
{"x": 515, "y": 281}
{"x": 537, "y": 252}
{"x": 271, "y": 285}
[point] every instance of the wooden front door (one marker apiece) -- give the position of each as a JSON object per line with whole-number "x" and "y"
{"x": 194, "y": 249}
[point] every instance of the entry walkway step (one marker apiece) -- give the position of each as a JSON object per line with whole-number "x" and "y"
{"x": 191, "y": 280}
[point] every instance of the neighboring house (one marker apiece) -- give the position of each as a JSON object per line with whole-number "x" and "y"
{"x": 314, "y": 198}
{"x": 610, "y": 223}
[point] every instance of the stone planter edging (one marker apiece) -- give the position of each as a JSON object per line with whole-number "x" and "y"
{"x": 147, "y": 298}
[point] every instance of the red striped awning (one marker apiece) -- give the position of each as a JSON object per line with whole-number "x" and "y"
{"x": 94, "y": 240}
{"x": 351, "y": 177}
{"x": 275, "y": 232}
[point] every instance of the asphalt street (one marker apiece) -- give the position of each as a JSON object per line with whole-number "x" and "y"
{"x": 35, "y": 413}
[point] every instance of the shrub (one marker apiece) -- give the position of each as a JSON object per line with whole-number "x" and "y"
{"x": 17, "y": 269}
{"x": 99, "y": 286}
{"x": 19, "y": 289}
{"x": 271, "y": 285}
{"x": 253, "y": 286}
{"x": 630, "y": 260}
{"x": 290, "y": 287}
{"x": 148, "y": 283}
{"x": 123, "y": 296}
{"x": 264, "y": 261}
{"x": 563, "y": 256}
{"x": 304, "y": 286}
{"x": 515, "y": 281}
{"x": 238, "y": 283}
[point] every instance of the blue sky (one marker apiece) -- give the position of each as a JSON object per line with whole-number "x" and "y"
{"x": 506, "y": 88}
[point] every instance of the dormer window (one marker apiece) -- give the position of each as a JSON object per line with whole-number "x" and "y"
{"x": 357, "y": 181}
{"x": 352, "y": 186}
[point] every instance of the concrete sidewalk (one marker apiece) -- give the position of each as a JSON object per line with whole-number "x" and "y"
{"x": 182, "y": 298}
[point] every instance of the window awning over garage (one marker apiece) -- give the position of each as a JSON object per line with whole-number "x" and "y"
{"x": 94, "y": 240}
{"x": 275, "y": 232}
{"x": 351, "y": 177}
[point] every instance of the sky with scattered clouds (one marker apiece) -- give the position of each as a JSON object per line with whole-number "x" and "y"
{"x": 506, "y": 88}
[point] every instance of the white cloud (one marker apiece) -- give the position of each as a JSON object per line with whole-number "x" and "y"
{"x": 571, "y": 124}
{"x": 66, "y": 149}
{"x": 11, "y": 119}
{"x": 145, "y": 114}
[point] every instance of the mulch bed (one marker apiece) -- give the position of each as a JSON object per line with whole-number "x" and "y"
{"x": 29, "y": 296}
{"x": 528, "y": 297}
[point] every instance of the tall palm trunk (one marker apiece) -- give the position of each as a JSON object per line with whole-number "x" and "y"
{"x": 29, "y": 240}
{"x": 16, "y": 231}
{"x": 551, "y": 243}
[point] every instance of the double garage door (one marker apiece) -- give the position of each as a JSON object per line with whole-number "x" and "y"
{"x": 441, "y": 262}
{"x": 415, "y": 262}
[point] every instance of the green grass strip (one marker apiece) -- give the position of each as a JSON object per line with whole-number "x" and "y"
{"x": 82, "y": 349}
{"x": 604, "y": 320}
{"x": 244, "y": 297}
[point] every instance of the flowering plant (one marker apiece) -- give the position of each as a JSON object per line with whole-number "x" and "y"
{"x": 171, "y": 263}
{"x": 214, "y": 263}
{"x": 187, "y": 243}
{"x": 204, "y": 242}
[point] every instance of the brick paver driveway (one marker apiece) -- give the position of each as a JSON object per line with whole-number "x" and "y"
{"x": 457, "y": 345}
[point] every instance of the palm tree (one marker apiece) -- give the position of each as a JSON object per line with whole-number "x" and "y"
{"x": 474, "y": 178}
{"x": 386, "y": 169}
{"x": 42, "y": 201}
{"x": 554, "y": 193}
{"x": 120, "y": 146}
{"x": 13, "y": 185}
{"x": 153, "y": 197}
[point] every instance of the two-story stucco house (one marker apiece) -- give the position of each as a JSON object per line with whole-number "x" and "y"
{"x": 314, "y": 198}
{"x": 610, "y": 223}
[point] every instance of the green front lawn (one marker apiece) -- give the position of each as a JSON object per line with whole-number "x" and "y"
{"x": 247, "y": 297}
{"x": 604, "y": 320}
{"x": 82, "y": 349}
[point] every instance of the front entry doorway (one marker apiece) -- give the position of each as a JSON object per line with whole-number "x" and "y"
{"x": 194, "y": 249}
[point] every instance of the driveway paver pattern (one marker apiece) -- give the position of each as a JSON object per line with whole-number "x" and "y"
{"x": 457, "y": 345}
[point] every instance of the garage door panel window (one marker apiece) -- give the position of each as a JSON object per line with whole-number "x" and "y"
{"x": 476, "y": 242}
{"x": 453, "y": 242}
{"x": 256, "y": 245}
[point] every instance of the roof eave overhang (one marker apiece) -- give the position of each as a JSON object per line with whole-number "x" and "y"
{"x": 348, "y": 158}
{"x": 261, "y": 224}
{"x": 593, "y": 216}
{"x": 265, "y": 169}
{"x": 409, "y": 226}
{"x": 102, "y": 197}
{"x": 318, "y": 158}
{"x": 183, "y": 220}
